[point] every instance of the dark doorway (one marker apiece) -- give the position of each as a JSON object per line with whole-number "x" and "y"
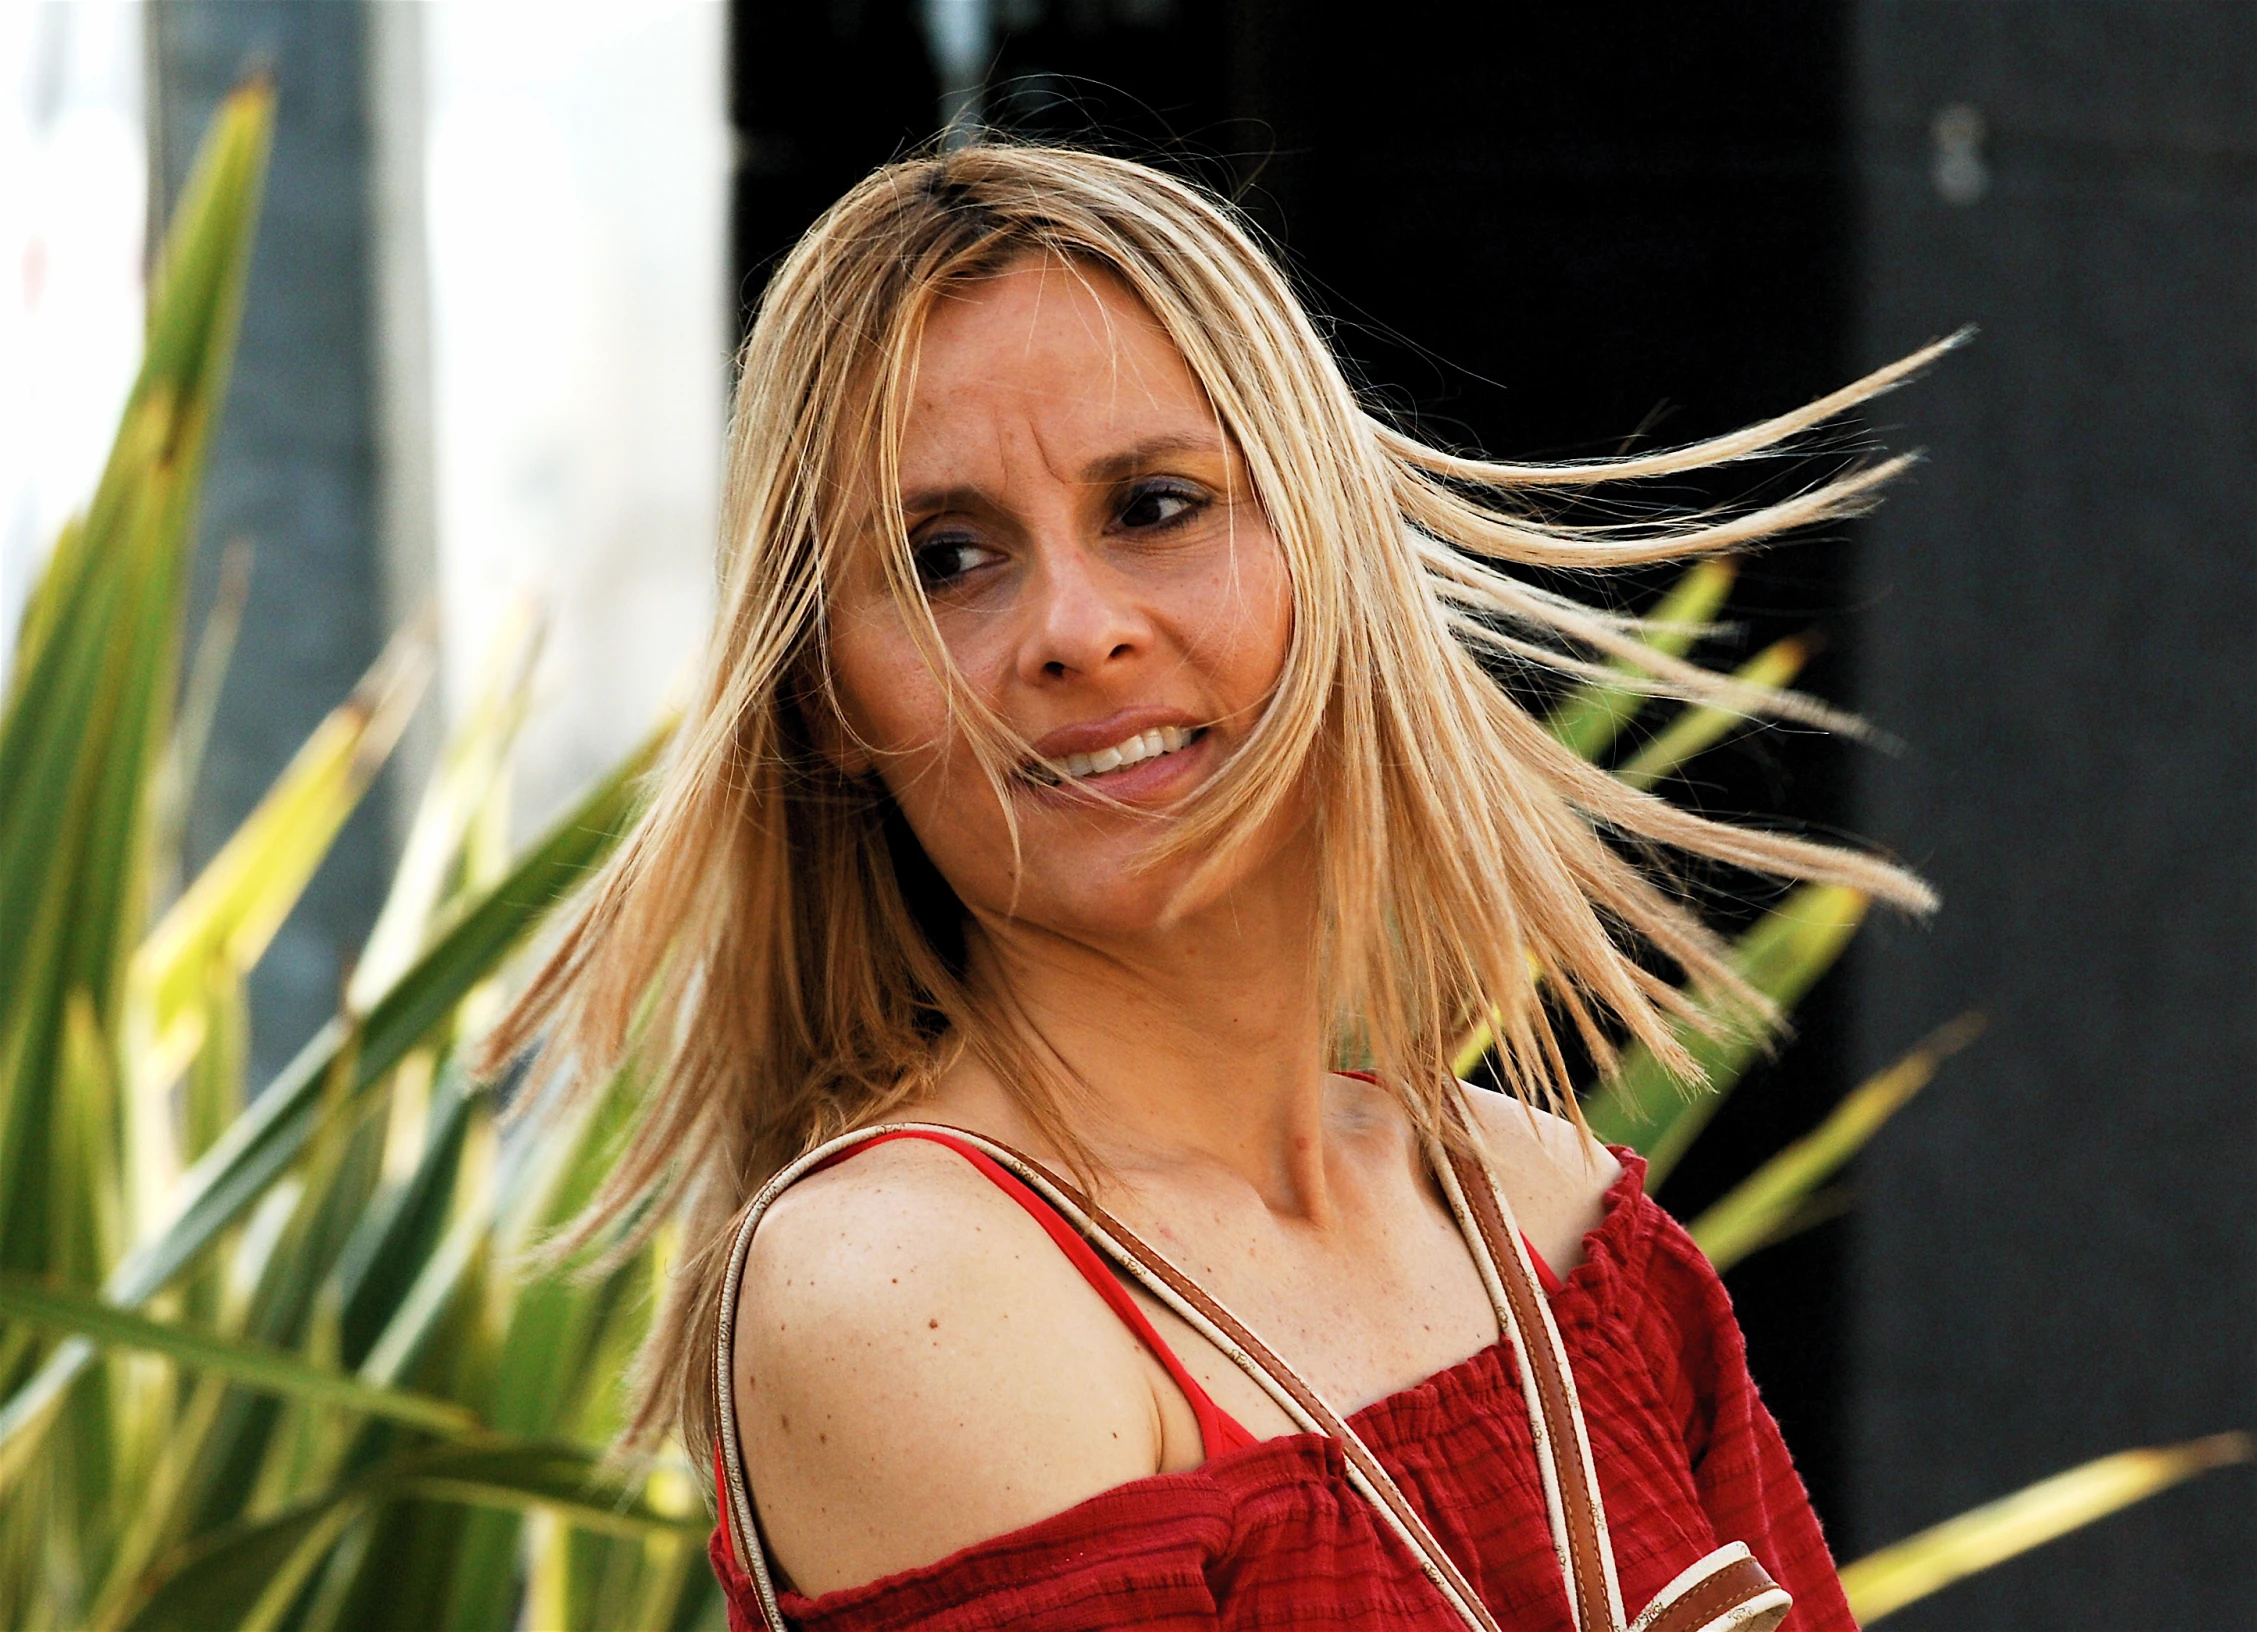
{"x": 1540, "y": 231}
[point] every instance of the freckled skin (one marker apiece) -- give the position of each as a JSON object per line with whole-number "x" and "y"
{"x": 1096, "y": 547}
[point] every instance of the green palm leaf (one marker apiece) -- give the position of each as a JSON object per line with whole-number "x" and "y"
{"x": 1647, "y": 1107}
{"x": 92, "y": 688}
{"x": 331, "y": 1074}
{"x": 1884, "y": 1582}
{"x": 226, "y": 1578}
{"x": 89, "y": 701}
{"x": 269, "y": 1136}
{"x": 277, "y": 1371}
{"x": 1592, "y": 715}
{"x": 1774, "y": 1201}
{"x": 1697, "y": 729}
{"x": 233, "y": 908}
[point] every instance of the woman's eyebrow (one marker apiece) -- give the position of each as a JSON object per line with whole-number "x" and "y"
{"x": 1140, "y": 455}
{"x": 933, "y": 501}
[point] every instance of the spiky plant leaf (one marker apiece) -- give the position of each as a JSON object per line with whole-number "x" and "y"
{"x": 1697, "y": 729}
{"x": 1773, "y": 1200}
{"x": 277, "y": 1371}
{"x": 1882, "y": 1583}
{"x": 235, "y": 1577}
{"x": 1647, "y": 1107}
{"x": 224, "y": 1578}
{"x": 277, "y": 1128}
{"x": 88, "y": 706}
{"x": 235, "y": 905}
{"x": 1591, "y": 716}
{"x": 87, "y": 711}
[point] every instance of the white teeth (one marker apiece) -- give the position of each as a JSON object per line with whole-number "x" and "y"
{"x": 1165, "y": 739}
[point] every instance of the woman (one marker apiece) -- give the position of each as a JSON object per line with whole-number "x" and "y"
{"x": 1101, "y": 750}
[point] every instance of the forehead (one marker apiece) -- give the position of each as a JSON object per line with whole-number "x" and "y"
{"x": 1047, "y": 358}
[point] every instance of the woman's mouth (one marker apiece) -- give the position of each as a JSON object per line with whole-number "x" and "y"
{"x": 1130, "y": 751}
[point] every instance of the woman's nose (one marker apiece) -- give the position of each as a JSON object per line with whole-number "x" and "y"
{"x": 1081, "y": 616}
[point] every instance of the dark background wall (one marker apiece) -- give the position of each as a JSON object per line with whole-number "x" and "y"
{"x": 2058, "y": 1253}
{"x": 1545, "y": 230}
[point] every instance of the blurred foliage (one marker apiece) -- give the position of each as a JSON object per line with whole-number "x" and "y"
{"x": 1895, "y": 1576}
{"x": 288, "y": 1361}
{"x": 279, "y": 1361}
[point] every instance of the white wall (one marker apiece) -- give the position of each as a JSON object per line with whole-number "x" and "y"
{"x": 576, "y": 183}
{"x": 73, "y": 205}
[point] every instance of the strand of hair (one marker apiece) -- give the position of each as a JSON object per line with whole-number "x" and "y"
{"x": 1749, "y": 442}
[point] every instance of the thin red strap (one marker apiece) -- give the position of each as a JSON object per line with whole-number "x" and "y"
{"x": 721, "y": 1503}
{"x": 1219, "y": 1432}
{"x": 1551, "y": 1283}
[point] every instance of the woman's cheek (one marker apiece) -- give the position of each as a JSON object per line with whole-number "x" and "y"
{"x": 1241, "y": 620}
{"x": 889, "y": 697}
{"x": 958, "y": 825}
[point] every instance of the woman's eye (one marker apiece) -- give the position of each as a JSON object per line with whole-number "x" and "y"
{"x": 944, "y": 560}
{"x": 1158, "y": 505}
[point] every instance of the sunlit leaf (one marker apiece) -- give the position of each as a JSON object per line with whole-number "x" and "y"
{"x": 231, "y": 1577}
{"x": 472, "y": 762}
{"x": 242, "y": 1462}
{"x": 221, "y": 1579}
{"x": 244, "y": 893}
{"x": 567, "y": 1479}
{"x": 1884, "y": 1582}
{"x": 1591, "y": 716}
{"x": 1696, "y": 729}
{"x": 1771, "y": 1201}
{"x": 88, "y": 709}
{"x": 93, "y": 697}
{"x": 175, "y": 784}
{"x": 277, "y": 1371}
{"x": 1645, "y": 1106}
{"x": 549, "y": 1368}
{"x": 277, "y": 1127}
{"x": 398, "y": 1236}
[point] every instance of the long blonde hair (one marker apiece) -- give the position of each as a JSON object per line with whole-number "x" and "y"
{"x": 772, "y": 933}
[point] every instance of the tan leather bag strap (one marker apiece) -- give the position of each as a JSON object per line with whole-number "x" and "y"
{"x": 1555, "y": 1415}
{"x": 1726, "y": 1589}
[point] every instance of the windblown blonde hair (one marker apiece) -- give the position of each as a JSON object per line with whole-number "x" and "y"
{"x": 775, "y": 936}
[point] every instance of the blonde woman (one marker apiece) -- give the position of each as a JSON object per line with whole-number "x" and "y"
{"x": 1096, "y": 826}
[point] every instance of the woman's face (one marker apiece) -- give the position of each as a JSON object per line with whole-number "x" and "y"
{"x": 1105, "y": 581}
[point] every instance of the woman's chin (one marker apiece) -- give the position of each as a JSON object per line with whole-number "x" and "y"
{"x": 1097, "y": 905}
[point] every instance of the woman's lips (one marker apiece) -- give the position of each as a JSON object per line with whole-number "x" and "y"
{"x": 1111, "y": 730}
{"x": 1149, "y": 780}
{"x": 1134, "y": 750}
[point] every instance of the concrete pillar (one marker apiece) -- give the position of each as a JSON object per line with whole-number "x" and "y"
{"x": 294, "y": 466}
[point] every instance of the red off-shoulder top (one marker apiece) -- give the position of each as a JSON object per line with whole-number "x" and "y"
{"x": 1273, "y": 1535}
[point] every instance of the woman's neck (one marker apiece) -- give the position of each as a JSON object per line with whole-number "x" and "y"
{"x": 1201, "y": 1043}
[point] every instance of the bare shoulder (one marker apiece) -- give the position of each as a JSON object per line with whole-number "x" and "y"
{"x": 1554, "y": 1173}
{"x": 905, "y": 1328}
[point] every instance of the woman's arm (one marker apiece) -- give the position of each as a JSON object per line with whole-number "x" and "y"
{"x": 917, "y": 1368}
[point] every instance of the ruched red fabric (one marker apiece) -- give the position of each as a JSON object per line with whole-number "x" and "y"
{"x": 1273, "y": 1535}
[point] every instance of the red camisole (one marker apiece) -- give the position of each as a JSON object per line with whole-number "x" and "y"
{"x": 1269, "y": 1533}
